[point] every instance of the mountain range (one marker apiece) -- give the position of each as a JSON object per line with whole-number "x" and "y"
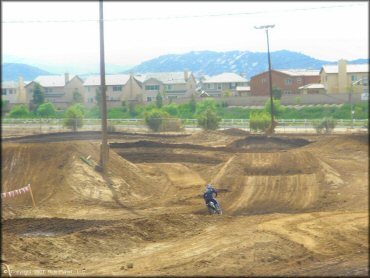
{"x": 199, "y": 62}
{"x": 244, "y": 62}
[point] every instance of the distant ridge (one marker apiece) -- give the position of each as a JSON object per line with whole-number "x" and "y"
{"x": 12, "y": 72}
{"x": 245, "y": 62}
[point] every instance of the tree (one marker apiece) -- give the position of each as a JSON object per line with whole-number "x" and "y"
{"x": 19, "y": 111}
{"x": 73, "y": 118}
{"x": 209, "y": 120}
{"x": 193, "y": 104}
{"x": 46, "y": 110}
{"x": 38, "y": 95}
{"x": 206, "y": 104}
{"x": 132, "y": 109}
{"x": 159, "y": 100}
{"x": 277, "y": 93}
{"x": 77, "y": 97}
{"x": 278, "y": 109}
{"x": 4, "y": 106}
{"x": 172, "y": 109}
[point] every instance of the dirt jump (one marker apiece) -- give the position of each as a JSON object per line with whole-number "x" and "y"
{"x": 293, "y": 205}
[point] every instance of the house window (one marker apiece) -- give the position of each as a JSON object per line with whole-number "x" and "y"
{"x": 287, "y": 92}
{"x": 3, "y": 92}
{"x": 288, "y": 81}
{"x": 117, "y": 88}
{"x": 48, "y": 90}
{"x": 263, "y": 80}
{"x": 211, "y": 86}
{"x": 152, "y": 88}
{"x": 148, "y": 99}
{"x": 233, "y": 85}
{"x": 354, "y": 78}
{"x": 88, "y": 89}
{"x": 169, "y": 87}
{"x": 219, "y": 86}
{"x": 326, "y": 78}
{"x": 299, "y": 80}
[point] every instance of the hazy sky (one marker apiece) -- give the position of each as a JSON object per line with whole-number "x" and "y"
{"x": 139, "y": 31}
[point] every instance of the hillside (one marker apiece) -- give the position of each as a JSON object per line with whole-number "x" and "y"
{"x": 12, "y": 71}
{"x": 245, "y": 62}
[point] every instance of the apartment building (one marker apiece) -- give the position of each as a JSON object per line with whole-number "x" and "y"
{"x": 345, "y": 78}
{"x": 288, "y": 81}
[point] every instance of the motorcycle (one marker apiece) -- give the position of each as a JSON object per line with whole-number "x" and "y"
{"x": 214, "y": 208}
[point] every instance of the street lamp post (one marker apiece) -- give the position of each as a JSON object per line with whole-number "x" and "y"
{"x": 266, "y": 27}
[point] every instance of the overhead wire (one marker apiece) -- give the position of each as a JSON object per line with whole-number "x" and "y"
{"x": 176, "y": 17}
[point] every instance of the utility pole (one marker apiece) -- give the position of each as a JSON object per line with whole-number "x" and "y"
{"x": 266, "y": 27}
{"x": 104, "y": 146}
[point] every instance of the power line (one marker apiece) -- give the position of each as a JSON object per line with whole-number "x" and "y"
{"x": 175, "y": 17}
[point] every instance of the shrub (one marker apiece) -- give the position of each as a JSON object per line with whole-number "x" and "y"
{"x": 172, "y": 109}
{"x": 154, "y": 119}
{"x": 46, "y": 110}
{"x": 326, "y": 125}
{"x": 171, "y": 124}
{"x": 73, "y": 118}
{"x": 209, "y": 120}
{"x": 259, "y": 121}
{"x": 19, "y": 111}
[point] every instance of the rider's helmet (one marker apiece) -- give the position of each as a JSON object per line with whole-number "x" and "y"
{"x": 209, "y": 186}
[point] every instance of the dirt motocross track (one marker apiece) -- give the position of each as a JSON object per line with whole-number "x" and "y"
{"x": 293, "y": 205}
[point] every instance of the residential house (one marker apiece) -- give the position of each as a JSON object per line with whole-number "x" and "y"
{"x": 224, "y": 84}
{"x": 119, "y": 87}
{"x": 288, "y": 81}
{"x": 14, "y": 92}
{"x": 59, "y": 89}
{"x": 172, "y": 85}
{"x": 344, "y": 78}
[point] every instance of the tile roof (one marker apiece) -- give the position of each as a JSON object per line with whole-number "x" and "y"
{"x": 110, "y": 79}
{"x": 164, "y": 77}
{"x": 227, "y": 77}
{"x": 350, "y": 68}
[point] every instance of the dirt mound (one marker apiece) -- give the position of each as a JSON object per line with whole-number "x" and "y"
{"x": 344, "y": 143}
{"x": 235, "y": 132}
{"x": 214, "y": 138}
{"x": 59, "y": 178}
{"x": 271, "y": 182}
{"x": 268, "y": 143}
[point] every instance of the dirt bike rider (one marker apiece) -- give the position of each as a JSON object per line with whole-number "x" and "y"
{"x": 208, "y": 195}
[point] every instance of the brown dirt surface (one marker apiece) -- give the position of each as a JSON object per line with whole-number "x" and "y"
{"x": 293, "y": 205}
